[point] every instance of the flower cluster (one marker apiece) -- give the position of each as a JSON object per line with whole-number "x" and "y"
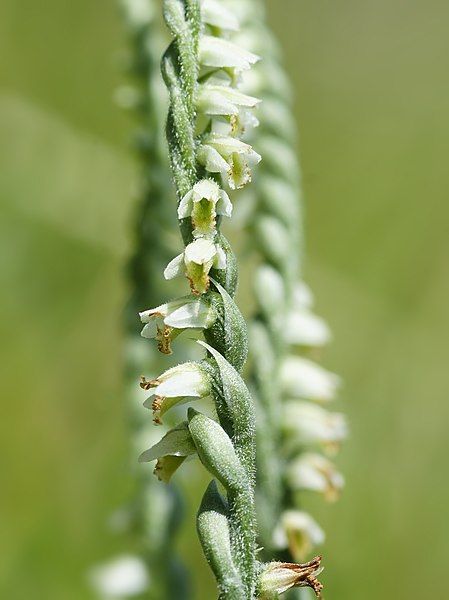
{"x": 285, "y": 326}
{"x": 224, "y": 114}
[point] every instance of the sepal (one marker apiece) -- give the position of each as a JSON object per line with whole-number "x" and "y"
{"x": 170, "y": 452}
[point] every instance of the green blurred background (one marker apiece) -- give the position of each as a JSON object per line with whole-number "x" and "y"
{"x": 371, "y": 81}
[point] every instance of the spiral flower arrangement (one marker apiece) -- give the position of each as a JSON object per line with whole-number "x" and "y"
{"x": 296, "y": 436}
{"x": 207, "y": 117}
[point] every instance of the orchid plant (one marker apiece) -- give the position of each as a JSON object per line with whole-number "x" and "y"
{"x": 267, "y": 440}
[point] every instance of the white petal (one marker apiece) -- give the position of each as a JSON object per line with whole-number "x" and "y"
{"x": 224, "y": 205}
{"x": 186, "y": 379}
{"x": 201, "y": 251}
{"x": 227, "y": 145}
{"x": 206, "y": 188}
{"x": 150, "y": 330}
{"x": 216, "y": 52}
{"x": 195, "y": 314}
{"x": 303, "y": 378}
{"x": 185, "y": 206}
{"x": 306, "y": 329}
{"x": 302, "y": 295}
{"x": 212, "y": 160}
{"x": 220, "y": 260}
{"x": 120, "y": 578}
{"x": 311, "y": 424}
{"x": 214, "y": 13}
{"x": 177, "y": 442}
{"x": 175, "y": 267}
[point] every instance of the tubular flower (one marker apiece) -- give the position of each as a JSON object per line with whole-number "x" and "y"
{"x": 122, "y": 577}
{"x": 303, "y": 327}
{"x": 202, "y": 204}
{"x": 196, "y": 262}
{"x": 167, "y": 321}
{"x": 279, "y": 577}
{"x": 222, "y": 54}
{"x": 307, "y": 424}
{"x": 229, "y": 156}
{"x": 170, "y": 452}
{"x": 298, "y": 532}
{"x": 187, "y": 380}
{"x": 302, "y": 378}
{"x": 215, "y": 14}
{"x": 314, "y": 472}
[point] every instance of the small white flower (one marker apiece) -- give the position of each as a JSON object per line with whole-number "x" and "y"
{"x": 170, "y": 452}
{"x": 230, "y": 157}
{"x": 215, "y": 14}
{"x": 302, "y": 378}
{"x": 124, "y": 577}
{"x": 196, "y": 262}
{"x": 277, "y": 578}
{"x": 203, "y": 203}
{"x": 304, "y": 328}
{"x": 270, "y": 290}
{"x": 314, "y": 472}
{"x": 302, "y": 296}
{"x": 139, "y": 13}
{"x": 220, "y": 53}
{"x": 223, "y": 100}
{"x": 176, "y": 385}
{"x": 167, "y": 321}
{"x": 307, "y": 424}
{"x": 298, "y": 532}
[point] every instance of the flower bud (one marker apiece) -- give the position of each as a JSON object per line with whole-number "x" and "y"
{"x": 298, "y": 532}
{"x": 196, "y": 262}
{"x": 278, "y": 578}
{"x": 213, "y": 530}
{"x": 314, "y": 472}
{"x": 302, "y": 378}
{"x": 307, "y": 424}
{"x": 203, "y": 203}
{"x": 167, "y": 321}
{"x": 216, "y": 451}
{"x": 170, "y": 452}
{"x": 230, "y": 157}
{"x": 187, "y": 380}
{"x": 304, "y": 328}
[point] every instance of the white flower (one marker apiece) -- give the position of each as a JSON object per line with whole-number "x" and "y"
{"x": 304, "y": 328}
{"x": 278, "y": 578}
{"x": 215, "y": 14}
{"x": 307, "y": 424}
{"x": 230, "y": 157}
{"x": 298, "y": 532}
{"x": 269, "y": 289}
{"x": 302, "y": 378}
{"x": 176, "y": 385}
{"x": 124, "y": 577}
{"x": 219, "y": 53}
{"x": 196, "y": 262}
{"x": 203, "y": 203}
{"x": 223, "y": 100}
{"x": 302, "y": 296}
{"x": 316, "y": 473}
{"x": 170, "y": 452}
{"x": 139, "y": 13}
{"x": 167, "y": 321}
